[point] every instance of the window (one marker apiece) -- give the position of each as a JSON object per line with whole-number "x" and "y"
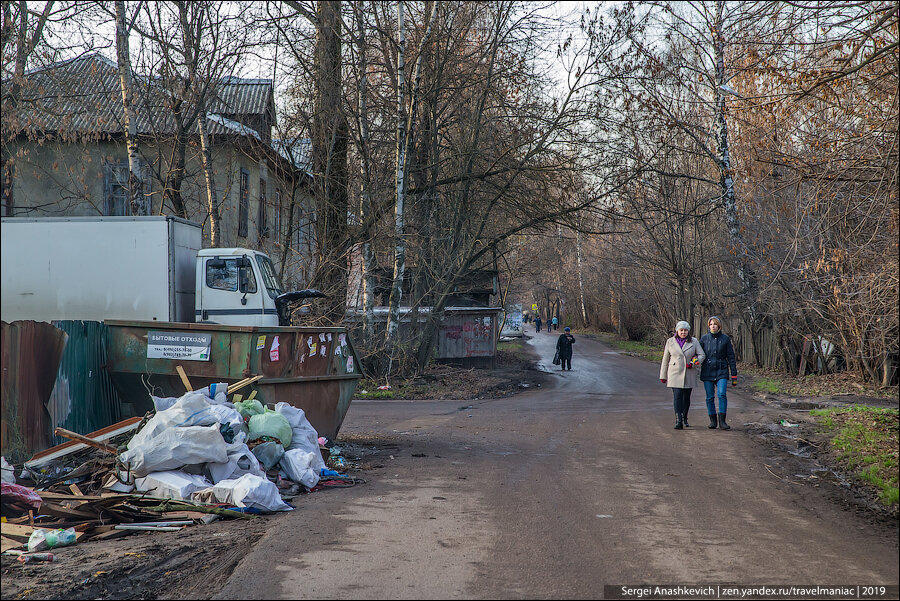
{"x": 223, "y": 275}
{"x": 268, "y": 275}
{"x": 115, "y": 189}
{"x": 244, "y": 204}
{"x": 278, "y": 213}
{"x": 262, "y": 225}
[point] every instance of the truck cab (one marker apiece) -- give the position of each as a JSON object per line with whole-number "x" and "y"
{"x": 236, "y": 286}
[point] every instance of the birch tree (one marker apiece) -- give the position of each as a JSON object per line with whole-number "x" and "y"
{"x": 123, "y": 60}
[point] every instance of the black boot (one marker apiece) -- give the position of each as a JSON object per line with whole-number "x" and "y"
{"x": 679, "y": 421}
{"x": 722, "y": 424}
{"x": 686, "y": 425}
{"x": 712, "y": 422}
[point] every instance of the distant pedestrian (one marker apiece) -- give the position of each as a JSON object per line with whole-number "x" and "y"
{"x": 564, "y": 348}
{"x": 715, "y": 370}
{"x": 555, "y": 322}
{"x": 682, "y": 356}
{"x": 537, "y": 323}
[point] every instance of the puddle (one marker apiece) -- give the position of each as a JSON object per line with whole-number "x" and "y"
{"x": 800, "y": 405}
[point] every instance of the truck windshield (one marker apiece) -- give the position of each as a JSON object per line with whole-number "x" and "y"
{"x": 268, "y": 275}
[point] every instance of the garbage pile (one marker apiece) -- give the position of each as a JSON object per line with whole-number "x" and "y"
{"x": 196, "y": 458}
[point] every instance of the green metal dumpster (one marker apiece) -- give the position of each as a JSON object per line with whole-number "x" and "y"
{"x": 315, "y": 369}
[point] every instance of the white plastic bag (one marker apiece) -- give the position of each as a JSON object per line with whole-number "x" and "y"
{"x": 250, "y": 491}
{"x": 228, "y": 415}
{"x": 171, "y": 484}
{"x": 192, "y": 409}
{"x": 297, "y": 466}
{"x": 175, "y": 447}
{"x": 163, "y": 403}
{"x": 240, "y": 461}
{"x": 304, "y": 436}
{"x": 9, "y": 474}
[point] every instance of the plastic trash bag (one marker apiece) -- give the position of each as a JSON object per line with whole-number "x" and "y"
{"x": 303, "y": 435}
{"x": 41, "y": 540}
{"x": 240, "y": 461}
{"x": 192, "y": 409}
{"x": 228, "y": 415}
{"x": 271, "y": 424}
{"x": 163, "y": 403}
{"x": 269, "y": 454}
{"x": 174, "y": 448}
{"x": 13, "y": 492}
{"x": 297, "y": 465}
{"x": 249, "y": 408}
{"x": 171, "y": 484}
{"x": 9, "y": 474}
{"x": 250, "y": 491}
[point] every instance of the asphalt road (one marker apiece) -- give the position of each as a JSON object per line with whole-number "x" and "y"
{"x": 555, "y": 493}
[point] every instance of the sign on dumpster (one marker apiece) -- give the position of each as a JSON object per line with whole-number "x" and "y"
{"x": 187, "y": 346}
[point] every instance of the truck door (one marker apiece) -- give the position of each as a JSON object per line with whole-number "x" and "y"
{"x": 230, "y": 294}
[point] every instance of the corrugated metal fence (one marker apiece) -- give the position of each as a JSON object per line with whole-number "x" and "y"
{"x": 83, "y": 398}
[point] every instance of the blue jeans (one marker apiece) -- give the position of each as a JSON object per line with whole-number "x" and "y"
{"x": 721, "y": 387}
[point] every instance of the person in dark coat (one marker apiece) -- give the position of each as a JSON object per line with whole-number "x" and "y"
{"x": 715, "y": 371}
{"x": 537, "y": 323}
{"x": 564, "y": 348}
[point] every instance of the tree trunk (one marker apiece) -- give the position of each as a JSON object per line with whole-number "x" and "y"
{"x": 368, "y": 256}
{"x": 212, "y": 201}
{"x": 404, "y": 130}
{"x": 400, "y": 187}
{"x": 578, "y": 258}
{"x": 329, "y": 153}
{"x": 123, "y": 59}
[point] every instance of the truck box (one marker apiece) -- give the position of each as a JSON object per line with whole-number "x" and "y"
{"x": 98, "y": 268}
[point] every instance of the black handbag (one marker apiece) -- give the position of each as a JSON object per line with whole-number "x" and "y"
{"x": 556, "y": 360}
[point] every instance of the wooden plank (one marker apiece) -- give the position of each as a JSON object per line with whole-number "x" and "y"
{"x": 184, "y": 378}
{"x": 57, "y": 510}
{"x": 243, "y": 383}
{"x": 61, "y": 496}
{"x": 8, "y": 543}
{"x": 251, "y": 396}
{"x": 85, "y": 440}
{"x": 16, "y": 531}
{"x": 72, "y": 446}
{"x": 75, "y": 490}
{"x": 112, "y": 534}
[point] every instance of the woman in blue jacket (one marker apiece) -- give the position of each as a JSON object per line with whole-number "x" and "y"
{"x": 715, "y": 370}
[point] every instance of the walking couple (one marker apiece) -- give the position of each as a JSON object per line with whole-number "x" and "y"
{"x": 713, "y": 357}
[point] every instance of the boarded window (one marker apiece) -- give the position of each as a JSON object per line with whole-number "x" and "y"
{"x": 244, "y": 204}
{"x": 262, "y": 225}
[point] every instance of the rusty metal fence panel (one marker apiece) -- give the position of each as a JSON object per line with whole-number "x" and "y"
{"x": 468, "y": 334}
{"x": 31, "y": 354}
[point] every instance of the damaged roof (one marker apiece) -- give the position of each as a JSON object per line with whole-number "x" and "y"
{"x": 81, "y": 97}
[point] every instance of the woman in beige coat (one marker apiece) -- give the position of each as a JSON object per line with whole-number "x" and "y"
{"x": 679, "y": 369}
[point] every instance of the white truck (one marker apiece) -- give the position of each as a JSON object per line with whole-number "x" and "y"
{"x": 133, "y": 268}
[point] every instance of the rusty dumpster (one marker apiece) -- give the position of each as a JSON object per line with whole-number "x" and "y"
{"x": 315, "y": 369}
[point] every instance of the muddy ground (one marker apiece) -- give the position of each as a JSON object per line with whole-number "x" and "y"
{"x": 193, "y": 563}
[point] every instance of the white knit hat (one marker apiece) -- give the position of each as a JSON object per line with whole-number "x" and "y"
{"x": 682, "y": 325}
